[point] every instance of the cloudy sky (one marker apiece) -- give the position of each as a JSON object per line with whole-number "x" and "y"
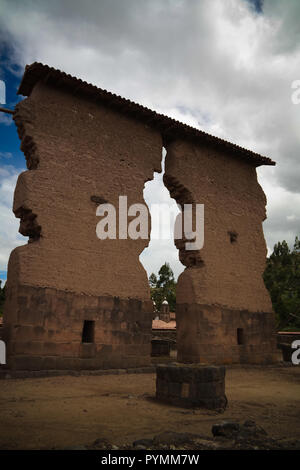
{"x": 224, "y": 66}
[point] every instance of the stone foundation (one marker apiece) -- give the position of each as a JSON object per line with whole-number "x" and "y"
{"x": 211, "y": 334}
{"x": 50, "y": 329}
{"x": 191, "y": 385}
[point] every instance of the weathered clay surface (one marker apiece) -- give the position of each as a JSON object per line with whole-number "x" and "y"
{"x": 222, "y": 289}
{"x": 82, "y": 150}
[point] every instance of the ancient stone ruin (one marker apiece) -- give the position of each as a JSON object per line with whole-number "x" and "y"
{"x": 77, "y": 302}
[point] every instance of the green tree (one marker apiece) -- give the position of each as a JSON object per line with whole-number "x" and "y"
{"x": 152, "y": 280}
{"x": 163, "y": 287}
{"x": 282, "y": 279}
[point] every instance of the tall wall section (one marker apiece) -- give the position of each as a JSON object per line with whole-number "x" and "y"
{"x": 75, "y": 301}
{"x": 223, "y": 312}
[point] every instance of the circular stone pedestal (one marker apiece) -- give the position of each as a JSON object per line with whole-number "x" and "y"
{"x": 191, "y": 385}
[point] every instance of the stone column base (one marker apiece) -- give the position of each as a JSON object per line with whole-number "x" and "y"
{"x": 191, "y": 386}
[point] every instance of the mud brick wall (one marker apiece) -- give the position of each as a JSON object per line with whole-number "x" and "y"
{"x": 223, "y": 310}
{"x": 191, "y": 386}
{"x": 74, "y": 301}
{"x": 78, "y": 153}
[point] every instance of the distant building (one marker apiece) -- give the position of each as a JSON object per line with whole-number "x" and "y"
{"x": 164, "y": 313}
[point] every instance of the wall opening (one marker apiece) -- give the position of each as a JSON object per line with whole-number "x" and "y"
{"x": 163, "y": 210}
{"x": 161, "y": 258}
{"x": 88, "y": 331}
{"x": 240, "y": 335}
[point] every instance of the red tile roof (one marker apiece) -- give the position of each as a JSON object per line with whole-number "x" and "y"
{"x": 170, "y": 128}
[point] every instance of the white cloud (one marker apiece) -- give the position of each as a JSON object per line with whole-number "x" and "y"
{"x": 9, "y": 236}
{"x": 6, "y": 155}
{"x": 215, "y": 65}
{"x": 283, "y": 215}
{"x": 160, "y": 250}
{"x": 5, "y": 119}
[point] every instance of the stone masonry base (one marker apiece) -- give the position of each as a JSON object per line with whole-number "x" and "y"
{"x": 211, "y": 334}
{"x": 191, "y": 385}
{"x": 49, "y": 329}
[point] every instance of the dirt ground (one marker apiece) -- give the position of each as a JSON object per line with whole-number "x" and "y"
{"x": 67, "y": 411}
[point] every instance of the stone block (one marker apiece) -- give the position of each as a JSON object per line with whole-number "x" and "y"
{"x": 26, "y": 362}
{"x": 191, "y": 386}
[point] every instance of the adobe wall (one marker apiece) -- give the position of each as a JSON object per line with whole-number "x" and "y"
{"x": 66, "y": 282}
{"x": 77, "y": 150}
{"x": 222, "y": 289}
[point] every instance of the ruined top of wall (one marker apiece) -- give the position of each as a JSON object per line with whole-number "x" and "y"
{"x": 168, "y": 127}
{"x": 79, "y": 153}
